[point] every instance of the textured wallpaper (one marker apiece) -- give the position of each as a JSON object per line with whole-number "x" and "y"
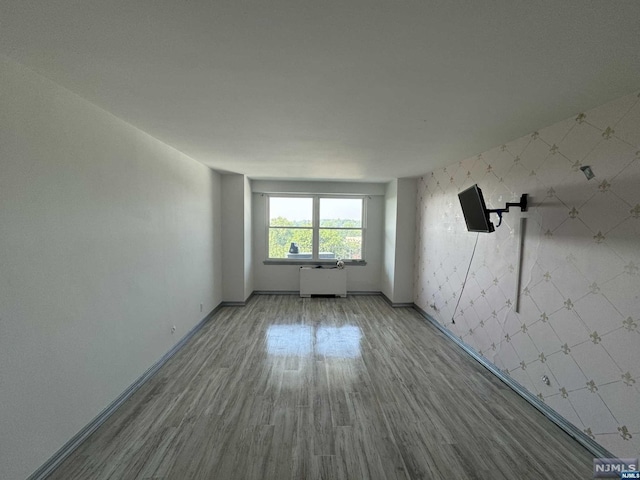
{"x": 579, "y": 313}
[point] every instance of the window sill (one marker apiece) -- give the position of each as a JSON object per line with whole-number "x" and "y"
{"x": 347, "y": 263}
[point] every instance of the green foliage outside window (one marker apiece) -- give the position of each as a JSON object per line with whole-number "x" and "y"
{"x": 338, "y": 236}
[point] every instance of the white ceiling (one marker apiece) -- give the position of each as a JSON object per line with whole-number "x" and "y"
{"x": 358, "y": 90}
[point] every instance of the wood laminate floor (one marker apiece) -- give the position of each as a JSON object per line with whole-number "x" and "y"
{"x": 344, "y": 388}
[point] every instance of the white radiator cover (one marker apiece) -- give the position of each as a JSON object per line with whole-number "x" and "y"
{"x": 323, "y": 281}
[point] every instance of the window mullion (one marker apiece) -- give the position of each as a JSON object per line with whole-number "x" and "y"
{"x": 316, "y": 228}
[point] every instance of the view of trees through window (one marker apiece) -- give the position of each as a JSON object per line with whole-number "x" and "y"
{"x": 339, "y": 226}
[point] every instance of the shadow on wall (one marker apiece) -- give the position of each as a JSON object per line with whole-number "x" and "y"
{"x": 596, "y": 224}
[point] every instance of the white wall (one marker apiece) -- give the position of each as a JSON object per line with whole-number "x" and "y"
{"x": 108, "y": 238}
{"x": 405, "y": 241}
{"x": 248, "y": 239}
{"x": 233, "y": 237}
{"x": 387, "y": 282}
{"x": 399, "y": 240}
{"x": 313, "y": 187}
{"x": 237, "y": 261}
{"x": 579, "y": 316}
{"x": 364, "y": 278}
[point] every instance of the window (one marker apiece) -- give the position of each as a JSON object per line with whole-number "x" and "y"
{"x": 340, "y": 230}
{"x": 290, "y": 227}
{"x": 316, "y": 227}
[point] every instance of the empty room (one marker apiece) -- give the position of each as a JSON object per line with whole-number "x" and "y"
{"x": 319, "y": 240}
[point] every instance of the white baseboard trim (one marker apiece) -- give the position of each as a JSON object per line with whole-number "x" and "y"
{"x": 297, "y": 292}
{"x": 237, "y": 303}
{"x": 68, "y": 448}
{"x": 578, "y": 435}
{"x": 396, "y": 305}
{"x": 276, "y": 292}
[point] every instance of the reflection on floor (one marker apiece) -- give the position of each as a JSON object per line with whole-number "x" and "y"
{"x": 302, "y": 341}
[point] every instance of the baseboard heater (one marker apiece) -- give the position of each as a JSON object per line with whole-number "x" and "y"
{"x": 323, "y": 281}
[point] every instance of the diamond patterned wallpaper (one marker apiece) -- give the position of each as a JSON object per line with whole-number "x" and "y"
{"x": 579, "y": 315}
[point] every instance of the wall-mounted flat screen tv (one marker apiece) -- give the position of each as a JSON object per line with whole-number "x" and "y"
{"x": 475, "y": 211}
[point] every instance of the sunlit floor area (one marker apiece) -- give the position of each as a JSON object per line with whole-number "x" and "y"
{"x": 332, "y": 388}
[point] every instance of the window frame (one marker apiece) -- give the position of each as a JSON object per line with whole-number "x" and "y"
{"x": 315, "y": 228}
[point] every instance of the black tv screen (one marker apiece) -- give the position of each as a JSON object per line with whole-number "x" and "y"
{"x": 475, "y": 211}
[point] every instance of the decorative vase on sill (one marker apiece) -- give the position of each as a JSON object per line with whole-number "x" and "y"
{"x": 293, "y": 248}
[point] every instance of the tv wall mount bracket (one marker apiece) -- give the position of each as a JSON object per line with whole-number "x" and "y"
{"x": 522, "y": 204}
